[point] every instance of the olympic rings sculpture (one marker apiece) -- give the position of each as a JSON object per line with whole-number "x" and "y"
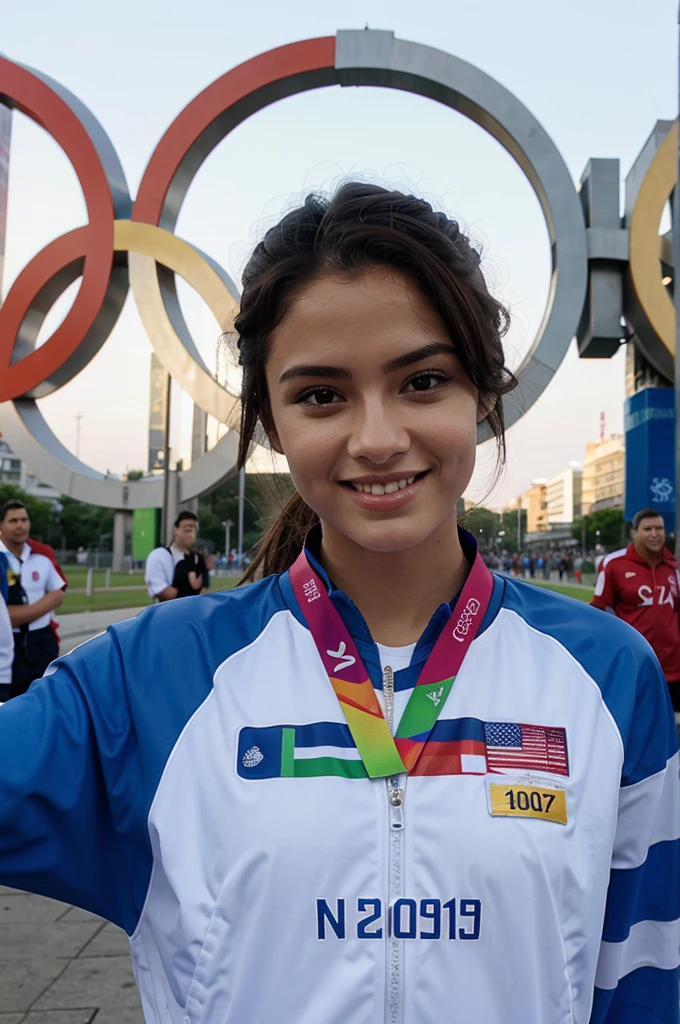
{"x": 133, "y": 244}
{"x": 654, "y": 315}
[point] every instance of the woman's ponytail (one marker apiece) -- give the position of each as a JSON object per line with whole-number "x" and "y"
{"x": 284, "y": 539}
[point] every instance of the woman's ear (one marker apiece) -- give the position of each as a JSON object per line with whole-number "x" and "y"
{"x": 486, "y": 403}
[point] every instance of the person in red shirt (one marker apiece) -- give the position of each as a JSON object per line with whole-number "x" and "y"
{"x": 641, "y": 585}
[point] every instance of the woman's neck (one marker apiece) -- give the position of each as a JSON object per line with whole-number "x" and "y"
{"x": 397, "y": 592}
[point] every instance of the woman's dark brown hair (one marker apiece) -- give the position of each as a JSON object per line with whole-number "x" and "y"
{"x": 361, "y": 227}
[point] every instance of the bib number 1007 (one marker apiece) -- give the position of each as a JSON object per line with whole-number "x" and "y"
{"x": 405, "y": 919}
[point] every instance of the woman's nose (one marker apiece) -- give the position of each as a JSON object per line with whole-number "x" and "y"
{"x": 378, "y": 434}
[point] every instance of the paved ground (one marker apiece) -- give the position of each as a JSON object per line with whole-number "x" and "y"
{"x": 61, "y": 965}
{"x": 76, "y": 629}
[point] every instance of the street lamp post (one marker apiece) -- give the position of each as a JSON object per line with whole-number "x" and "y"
{"x": 78, "y": 418}
{"x": 227, "y": 524}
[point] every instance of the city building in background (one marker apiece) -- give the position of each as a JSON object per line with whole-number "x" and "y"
{"x": 535, "y": 504}
{"x": 551, "y": 507}
{"x": 604, "y": 474}
{"x": 14, "y": 470}
{"x": 563, "y": 496}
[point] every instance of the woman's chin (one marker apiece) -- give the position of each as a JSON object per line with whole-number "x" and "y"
{"x": 385, "y": 538}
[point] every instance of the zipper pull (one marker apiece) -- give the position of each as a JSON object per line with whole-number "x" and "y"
{"x": 397, "y": 809}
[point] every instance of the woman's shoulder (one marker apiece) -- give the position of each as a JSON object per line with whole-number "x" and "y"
{"x": 610, "y": 652}
{"x": 209, "y": 628}
{"x": 253, "y": 604}
{"x": 569, "y": 620}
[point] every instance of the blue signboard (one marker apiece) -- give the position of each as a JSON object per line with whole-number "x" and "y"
{"x": 649, "y": 422}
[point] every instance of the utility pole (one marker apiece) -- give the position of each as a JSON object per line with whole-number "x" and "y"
{"x": 227, "y": 536}
{"x": 165, "y": 516}
{"x": 78, "y": 418}
{"x": 519, "y": 525}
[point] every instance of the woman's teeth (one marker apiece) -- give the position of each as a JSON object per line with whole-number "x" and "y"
{"x": 394, "y": 485}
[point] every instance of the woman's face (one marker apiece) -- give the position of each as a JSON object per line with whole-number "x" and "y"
{"x": 372, "y": 409}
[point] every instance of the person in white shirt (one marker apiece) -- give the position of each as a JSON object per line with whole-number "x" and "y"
{"x": 178, "y": 570}
{"x": 35, "y": 590}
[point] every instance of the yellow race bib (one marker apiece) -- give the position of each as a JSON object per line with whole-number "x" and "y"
{"x": 520, "y": 800}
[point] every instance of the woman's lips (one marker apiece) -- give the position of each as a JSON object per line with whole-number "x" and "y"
{"x": 386, "y": 502}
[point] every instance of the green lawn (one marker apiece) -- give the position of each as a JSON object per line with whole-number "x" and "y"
{"x": 105, "y": 600}
{"x": 578, "y": 593}
{"x": 77, "y": 577}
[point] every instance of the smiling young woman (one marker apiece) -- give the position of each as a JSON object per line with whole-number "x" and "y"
{"x": 379, "y": 784}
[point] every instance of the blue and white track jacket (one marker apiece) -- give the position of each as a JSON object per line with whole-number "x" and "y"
{"x": 179, "y": 776}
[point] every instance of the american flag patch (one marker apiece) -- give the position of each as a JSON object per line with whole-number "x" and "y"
{"x": 538, "y": 748}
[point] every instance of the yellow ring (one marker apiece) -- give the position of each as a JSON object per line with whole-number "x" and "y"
{"x": 148, "y": 245}
{"x": 645, "y": 244}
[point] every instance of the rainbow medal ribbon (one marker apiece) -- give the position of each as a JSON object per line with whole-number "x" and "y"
{"x": 381, "y": 753}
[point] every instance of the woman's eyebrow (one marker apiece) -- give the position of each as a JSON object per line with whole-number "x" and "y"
{"x": 435, "y": 348}
{"x": 309, "y": 370}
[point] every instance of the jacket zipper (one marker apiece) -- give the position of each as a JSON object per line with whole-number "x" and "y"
{"x": 396, "y": 786}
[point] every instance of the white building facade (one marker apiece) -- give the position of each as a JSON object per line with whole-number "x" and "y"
{"x": 13, "y": 470}
{"x": 563, "y": 496}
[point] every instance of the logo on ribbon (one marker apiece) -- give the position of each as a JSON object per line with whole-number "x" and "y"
{"x": 346, "y": 659}
{"x": 465, "y": 621}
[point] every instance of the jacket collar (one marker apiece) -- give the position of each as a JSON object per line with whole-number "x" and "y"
{"x": 667, "y": 559}
{"x": 358, "y": 629}
{"x": 25, "y": 551}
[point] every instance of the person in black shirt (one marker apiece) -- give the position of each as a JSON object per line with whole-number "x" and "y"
{"x": 178, "y": 570}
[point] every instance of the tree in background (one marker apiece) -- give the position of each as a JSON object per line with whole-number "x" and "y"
{"x": 484, "y": 525}
{"x": 613, "y": 531}
{"x": 83, "y": 525}
{"x": 265, "y": 493}
{"x": 509, "y": 525}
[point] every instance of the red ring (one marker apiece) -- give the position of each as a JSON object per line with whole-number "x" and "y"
{"x": 242, "y": 81}
{"x": 26, "y": 92}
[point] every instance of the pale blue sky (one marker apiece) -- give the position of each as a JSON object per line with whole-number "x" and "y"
{"x": 596, "y": 73}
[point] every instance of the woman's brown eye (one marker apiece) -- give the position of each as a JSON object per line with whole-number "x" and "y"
{"x": 324, "y": 396}
{"x": 426, "y": 382}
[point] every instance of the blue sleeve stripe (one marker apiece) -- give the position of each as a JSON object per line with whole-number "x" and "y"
{"x": 650, "y": 892}
{"x": 645, "y": 996}
{"x": 649, "y": 813}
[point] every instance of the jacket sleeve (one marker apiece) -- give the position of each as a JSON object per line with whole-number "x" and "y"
{"x": 637, "y": 974}
{"x": 71, "y": 825}
{"x": 605, "y": 588}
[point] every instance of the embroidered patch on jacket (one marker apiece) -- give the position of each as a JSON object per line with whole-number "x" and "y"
{"x": 458, "y": 746}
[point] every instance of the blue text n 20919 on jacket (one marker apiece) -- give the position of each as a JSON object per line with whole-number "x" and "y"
{"x": 405, "y": 919}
